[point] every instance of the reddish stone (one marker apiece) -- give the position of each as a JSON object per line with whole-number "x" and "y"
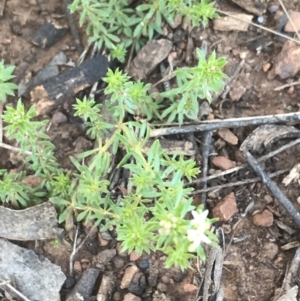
{"x": 131, "y": 297}
{"x": 264, "y": 219}
{"x": 228, "y": 136}
{"x": 226, "y": 208}
{"x": 190, "y": 288}
{"x": 223, "y": 163}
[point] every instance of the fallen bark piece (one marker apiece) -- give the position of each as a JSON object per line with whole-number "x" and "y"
{"x": 226, "y": 208}
{"x": 287, "y": 63}
{"x": 295, "y": 17}
{"x": 265, "y": 135}
{"x": 34, "y": 223}
{"x": 264, "y": 219}
{"x": 154, "y": 52}
{"x": 227, "y": 23}
{"x": 50, "y": 70}
{"x": 251, "y": 6}
{"x": 228, "y": 136}
{"x": 48, "y": 34}
{"x": 55, "y": 90}
{"x": 37, "y": 279}
{"x": 85, "y": 285}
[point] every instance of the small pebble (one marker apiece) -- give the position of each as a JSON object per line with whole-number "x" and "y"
{"x": 143, "y": 264}
{"x": 106, "y": 256}
{"x": 77, "y": 266}
{"x": 138, "y": 284}
{"x": 134, "y": 256}
{"x": 260, "y": 19}
{"x": 268, "y": 199}
{"x": 131, "y": 297}
{"x": 102, "y": 241}
{"x": 162, "y": 287}
{"x": 70, "y": 281}
{"x": 190, "y": 288}
{"x": 120, "y": 252}
{"x": 152, "y": 276}
{"x": 128, "y": 276}
{"x": 118, "y": 262}
{"x": 264, "y": 219}
{"x": 178, "y": 275}
{"x": 226, "y": 208}
{"x": 117, "y": 296}
{"x": 58, "y": 117}
{"x": 273, "y": 8}
{"x": 165, "y": 279}
{"x": 223, "y": 163}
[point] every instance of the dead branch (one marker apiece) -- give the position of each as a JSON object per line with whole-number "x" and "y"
{"x": 283, "y": 200}
{"x": 244, "y": 182}
{"x": 212, "y": 125}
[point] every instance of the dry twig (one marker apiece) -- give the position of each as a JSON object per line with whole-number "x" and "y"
{"x": 12, "y": 289}
{"x": 260, "y": 26}
{"x": 290, "y": 19}
{"x": 287, "y": 85}
{"x": 244, "y": 182}
{"x": 235, "y": 169}
{"x": 283, "y": 200}
{"x": 212, "y": 125}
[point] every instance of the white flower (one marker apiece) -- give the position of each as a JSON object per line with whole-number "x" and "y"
{"x": 167, "y": 225}
{"x": 197, "y": 235}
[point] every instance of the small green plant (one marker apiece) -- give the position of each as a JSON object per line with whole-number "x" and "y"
{"x": 194, "y": 83}
{"x": 154, "y": 214}
{"x": 113, "y": 24}
{"x": 157, "y": 213}
{"x": 6, "y": 88}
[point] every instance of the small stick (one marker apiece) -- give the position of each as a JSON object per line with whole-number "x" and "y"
{"x": 229, "y": 81}
{"x": 292, "y": 273}
{"x": 260, "y": 26}
{"x": 73, "y": 28}
{"x": 130, "y": 55}
{"x": 208, "y": 271}
{"x": 283, "y": 200}
{"x": 1, "y": 122}
{"x": 212, "y": 125}
{"x": 73, "y": 251}
{"x": 245, "y": 182}
{"x": 2, "y": 8}
{"x": 10, "y": 287}
{"x": 287, "y": 85}
{"x": 205, "y": 155}
{"x": 15, "y": 149}
{"x": 229, "y": 171}
{"x": 76, "y": 249}
{"x": 290, "y": 19}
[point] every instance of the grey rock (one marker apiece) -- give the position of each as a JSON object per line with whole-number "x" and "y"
{"x": 137, "y": 284}
{"x": 37, "y": 279}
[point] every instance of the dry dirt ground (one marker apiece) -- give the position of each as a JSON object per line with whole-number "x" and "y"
{"x": 255, "y": 260}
